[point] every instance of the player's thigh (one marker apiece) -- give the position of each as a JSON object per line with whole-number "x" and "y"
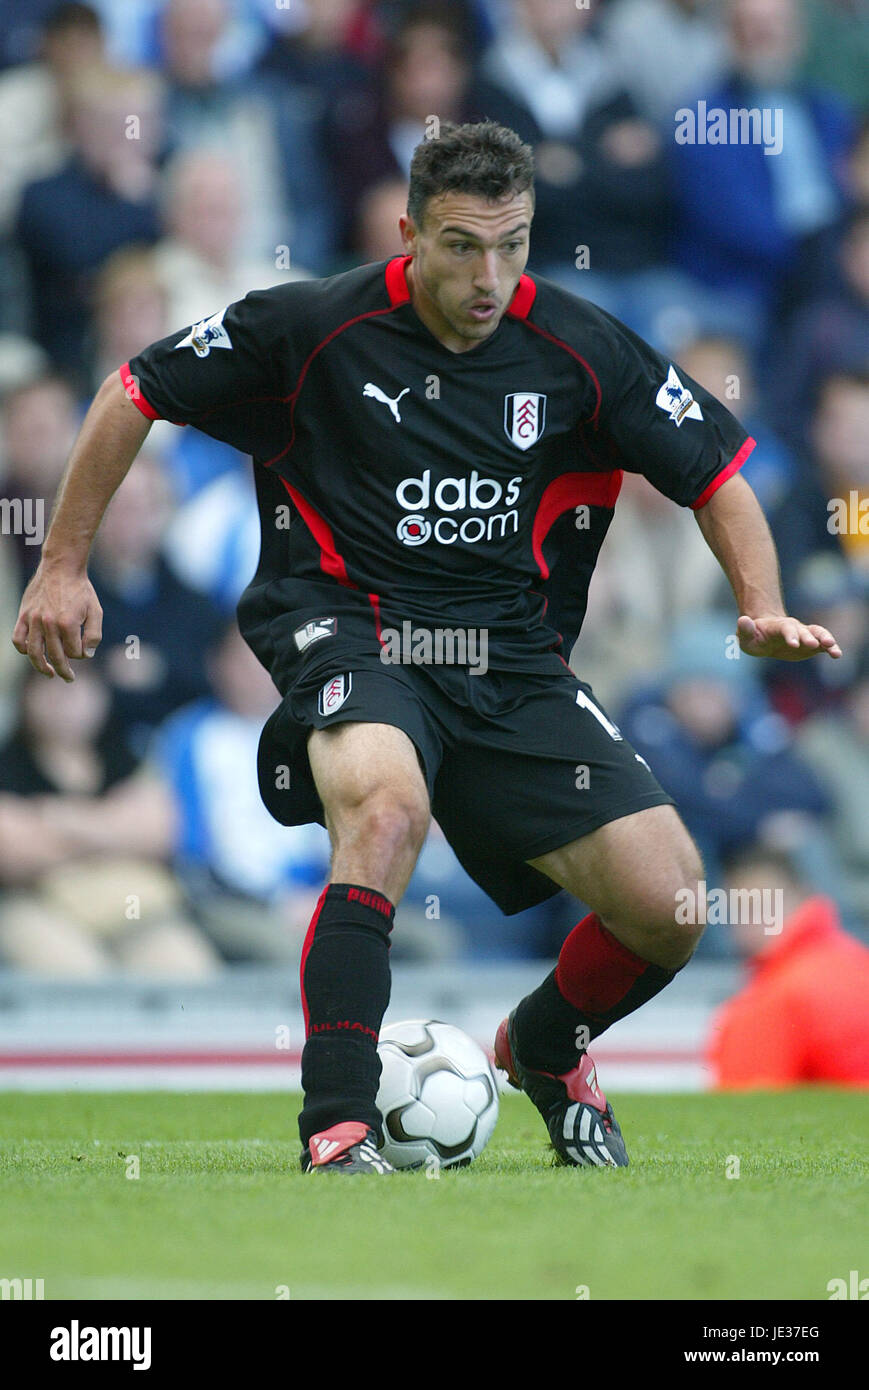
{"x": 631, "y": 870}
{"x": 369, "y": 780}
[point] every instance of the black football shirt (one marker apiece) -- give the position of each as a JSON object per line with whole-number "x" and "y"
{"x": 400, "y": 482}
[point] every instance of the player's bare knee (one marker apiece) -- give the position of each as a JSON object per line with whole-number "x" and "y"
{"x": 678, "y": 927}
{"x": 688, "y": 923}
{"x": 656, "y": 923}
{"x": 675, "y": 928}
{"x": 676, "y": 944}
{"x": 390, "y": 822}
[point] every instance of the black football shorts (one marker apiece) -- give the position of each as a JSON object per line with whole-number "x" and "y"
{"x": 516, "y": 764}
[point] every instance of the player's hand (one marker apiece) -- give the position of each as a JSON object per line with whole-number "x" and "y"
{"x": 60, "y": 620}
{"x": 785, "y": 639}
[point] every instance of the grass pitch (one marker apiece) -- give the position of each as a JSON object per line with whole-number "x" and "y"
{"x": 220, "y": 1209}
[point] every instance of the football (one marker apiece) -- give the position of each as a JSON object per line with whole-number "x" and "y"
{"x": 438, "y": 1095}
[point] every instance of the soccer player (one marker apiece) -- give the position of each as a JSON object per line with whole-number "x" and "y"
{"x": 438, "y": 444}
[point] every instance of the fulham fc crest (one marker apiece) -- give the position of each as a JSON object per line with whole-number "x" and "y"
{"x": 524, "y": 418}
{"x": 333, "y": 694}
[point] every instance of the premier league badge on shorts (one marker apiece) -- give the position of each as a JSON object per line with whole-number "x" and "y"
{"x": 524, "y": 418}
{"x": 333, "y": 694}
{"x": 314, "y": 631}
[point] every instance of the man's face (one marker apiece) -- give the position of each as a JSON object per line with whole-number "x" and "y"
{"x": 468, "y": 255}
{"x": 766, "y": 892}
{"x": 767, "y": 37}
{"x": 839, "y": 431}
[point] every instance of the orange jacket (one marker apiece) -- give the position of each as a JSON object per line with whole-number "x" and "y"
{"x": 804, "y": 1014}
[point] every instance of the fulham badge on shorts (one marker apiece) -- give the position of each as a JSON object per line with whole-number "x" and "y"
{"x": 524, "y": 418}
{"x": 333, "y": 694}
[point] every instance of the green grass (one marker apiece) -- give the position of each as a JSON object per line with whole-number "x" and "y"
{"x": 221, "y": 1210}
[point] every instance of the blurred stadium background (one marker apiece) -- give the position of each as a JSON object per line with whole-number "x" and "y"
{"x": 158, "y": 158}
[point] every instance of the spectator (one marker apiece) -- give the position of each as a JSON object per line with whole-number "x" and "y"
{"x": 130, "y": 310}
{"x": 20, "y": 31}
{"x": 200, "y": 262}
{"x": 425, "y": 74}
{"x": 311, "y": 53}
{"x": 831, "y": 330}
{"x": 326, "y": 54}
{"x": 134, "y": 33}
{"x": 377, "y": 234}
{"x": 268, "y": 135}
{"x": 664, "y": 51}
{"x": 252, "y": 883}
{"x": 745, "y": 215}
{"x": 39, "y": 422}
{"x": 83, "y": 835}
{"x": 802, "y": 1017}
{"x": 156, "y": 630}
{"x": 824, "y": 512}
{"x": 32, "y": 99}
{"x": 103, "y": 198}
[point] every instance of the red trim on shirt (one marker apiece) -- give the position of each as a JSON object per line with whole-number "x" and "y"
{"x": 399, "y": 291}
{"x": 520, "y": 304}
{"x": 396, "y": 281}
{"x": 294, "y": 394}
{"x": 727, "y": 472}
{"x": 331, "y": 562}
{"x": 374, "y": 600}
{"x": 134, "y": 391}
{"x": 570, "y": 490}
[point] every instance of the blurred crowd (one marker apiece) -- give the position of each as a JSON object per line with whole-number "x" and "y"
{"x": 159, "y": 158}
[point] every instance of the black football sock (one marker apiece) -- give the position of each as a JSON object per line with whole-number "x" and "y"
{"x": 345, "y": 990}
{"x": 597, "y": 981}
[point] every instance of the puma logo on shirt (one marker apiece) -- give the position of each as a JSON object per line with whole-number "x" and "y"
{"x": 369, "y": 389}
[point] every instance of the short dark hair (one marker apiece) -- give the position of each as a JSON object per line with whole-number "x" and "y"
{"x": 749, "y": 855}
{"x": 486, "y": 159}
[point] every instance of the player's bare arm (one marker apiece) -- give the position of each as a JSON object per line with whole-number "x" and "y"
{"x": 60, "y": 616}
{"x": 736, "y": 532}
